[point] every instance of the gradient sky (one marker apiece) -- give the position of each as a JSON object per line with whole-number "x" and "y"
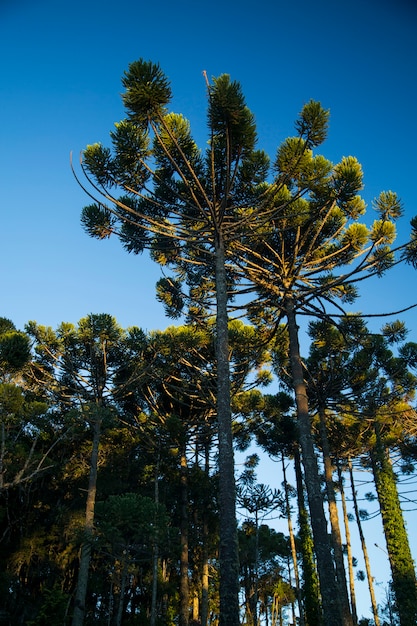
{"x": 60, "y": 90}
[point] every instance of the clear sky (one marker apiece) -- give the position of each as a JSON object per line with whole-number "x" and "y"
{"x": 61, "y": 65}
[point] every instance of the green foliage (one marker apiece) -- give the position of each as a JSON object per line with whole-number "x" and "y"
{"x": 97, "y": 221}
{"x": 98, "y": 161}
{"x": 313, "y": 123}
{"x": 410, "y": 252}
{"x": 388, "y": 205}
{"x": 228, "y": 116}
{"x": 131, "y": 523}
{"x": 147, "y": 92}
{"x": 347, "y": 180}
{"x": 394, "y": 331}
{"x": 14, "y": 351}
{"x": 11, "y": 401}
{"x": 53, "y": 610}
{"x": 6, "y": 325}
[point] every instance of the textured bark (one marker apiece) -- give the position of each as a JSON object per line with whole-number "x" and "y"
{"x": 312, "y": 607}
{"x": 332, "y": 613}
{"x": 341, "y": 581}
{"x": 404, "y": 582}
{"x": 228, "y": 554}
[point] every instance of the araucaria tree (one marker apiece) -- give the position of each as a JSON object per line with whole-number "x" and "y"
{"x": 157, "y": 190}
{"x": 225, "y": 228}
{"x": 76, "y": 367}
{"x": 309, "y": 261}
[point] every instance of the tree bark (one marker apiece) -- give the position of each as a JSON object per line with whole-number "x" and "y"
{"x": 205, "y": 552}
{"x": 364, "y": 548}
{"x": 348, "y": 547}
{"x": 85, "y": 553}
{"x": 228, "y": 552}
{"x": 332, "y": 613}
{"x": 312, "y": 607}
{"x": 155, "y": 551}
{"x": 184, "y": 582}
{"x": 292, "y": 544}
{"x": 403, "y": 573}
{"x": 341, "y": 581}
{"x": 121, "y": 598}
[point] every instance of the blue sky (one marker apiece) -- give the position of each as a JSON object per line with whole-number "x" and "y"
{"x": 60, "y": 90}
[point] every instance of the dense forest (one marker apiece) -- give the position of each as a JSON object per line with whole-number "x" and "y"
{"x": 119, "y": 490}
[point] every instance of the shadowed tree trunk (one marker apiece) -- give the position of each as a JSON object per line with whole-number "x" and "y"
{"x": 229, "y": 555}
{"x": 184, "y": 580}
{"x": 85, "y": 552}
{"x": 205, "y": 549}
{"x": 334, "y": 521}
{"x": 292, "y": 544}
{"x": 348, "y": 546}
{"x": 332, "y": 613}
{"x": 155, "y": 551}
{"x": 312, "y": 608}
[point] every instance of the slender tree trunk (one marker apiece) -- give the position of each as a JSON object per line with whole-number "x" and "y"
{"x": 228, "y": 554}
{"x": 312, "y": 607}
{"x": 348, "y": 546}
{"x": 205, "y": 582}
{"x": 155, "y": 552}
{"x": 205, "y": 552}
{"x": 364, "y": 548}
{"x": 255, "y": 594}
{"x": 248, "y": 587}
{"x": 184, "y": 581}
{"x": 334, "y": 522}
{"x": 85, "y": 555}
{"x": 121, "y": 599}
{"x": 292, "y": 544}
{"x": 332, "y": 613}
{"x": 2, "y": 453}
{"x": 402, "y": 566}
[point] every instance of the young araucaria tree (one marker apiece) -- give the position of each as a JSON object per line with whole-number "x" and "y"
{"x": 78, "y": 365}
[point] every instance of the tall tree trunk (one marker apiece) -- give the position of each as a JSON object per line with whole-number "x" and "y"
{"x": 228, "y": 553}
{"x": 364, "y": 548}
{"x": 2, "y": 454}
{"x": 312, "y": 607}
{"x": 341, "y": 581}
{"x": 85, "y": 553}
{"x": 255, "y": 595}
{"x": 205, "y": 550}
{"x": 292, "y": 544}
{"x": 121, "y": 598}
{"x": 348, "y": 546}
{"x": 155, "y": 550}
{"x": 184, "y": 580}
{"x": 332, "y": 613}
{"x": 402, "y": 566}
